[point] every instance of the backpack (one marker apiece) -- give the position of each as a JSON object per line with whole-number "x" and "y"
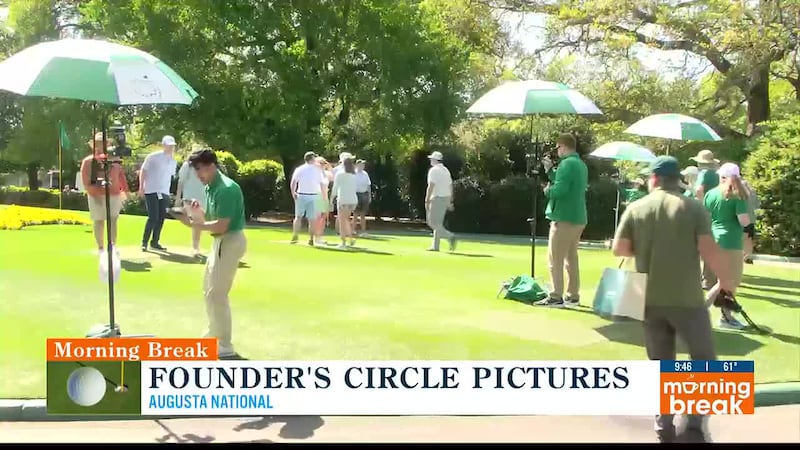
{"x": 525, "y": 289}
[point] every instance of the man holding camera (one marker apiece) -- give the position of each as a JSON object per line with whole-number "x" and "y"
{"x": 566, "y": 210}
{"x": 155, "y": 178}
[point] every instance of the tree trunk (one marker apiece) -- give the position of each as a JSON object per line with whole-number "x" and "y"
{"x": 758, "y": 99}
{"x": 33, "y": 176}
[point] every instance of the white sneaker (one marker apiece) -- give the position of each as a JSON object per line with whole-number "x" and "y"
{"x": 342, "y": 246}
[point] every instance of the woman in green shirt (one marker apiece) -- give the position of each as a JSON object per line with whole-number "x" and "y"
{"x": 727, "y": 205}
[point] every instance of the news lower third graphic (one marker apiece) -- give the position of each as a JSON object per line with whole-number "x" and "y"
{"x": 707, "y": 387}
{"x": 94, "y": 387}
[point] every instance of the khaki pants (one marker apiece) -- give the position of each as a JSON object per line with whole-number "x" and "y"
{"x": 436, "y": 214}
{"x": 662, "y": 325}
{"x": 735, "y": 259}
{"x": 562, "y": 252}
{"x": 709, "y": 278}
{"x": 223, "y": 261}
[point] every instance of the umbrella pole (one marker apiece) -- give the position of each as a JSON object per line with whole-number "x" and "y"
{"x": 109, "y": 246}
{"x": 535, "y": 192}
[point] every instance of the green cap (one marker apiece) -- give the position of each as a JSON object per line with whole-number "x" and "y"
{"x": 665, "y": 166}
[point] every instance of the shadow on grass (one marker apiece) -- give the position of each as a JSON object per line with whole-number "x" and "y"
{"x": 786, "y": 303}
{"x": 471, "y": 255}
{"x": 757, "y": 282}
{"x": 135, "y": 266}
{"x": 726, "y": 343}
{"x": 372, "y": 237}
{"x": 186, "y": 438}
{"x": 294, "y": 427}
{"x": 353, "y": 250}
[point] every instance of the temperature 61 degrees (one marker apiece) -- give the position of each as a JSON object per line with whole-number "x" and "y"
{"x": 731, "y": 366}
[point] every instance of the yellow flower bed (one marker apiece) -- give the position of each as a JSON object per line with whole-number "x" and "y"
{"x": 16, "y": 217}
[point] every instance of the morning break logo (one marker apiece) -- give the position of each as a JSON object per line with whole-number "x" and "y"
{"x": 707, "y": 387}
{"x": 101, "y": 376}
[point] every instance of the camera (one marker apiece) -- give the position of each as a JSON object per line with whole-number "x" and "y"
{"x": 120, "y": 147}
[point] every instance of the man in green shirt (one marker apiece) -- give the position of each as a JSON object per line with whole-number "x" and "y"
{"x": 566, "y": 210}
{"x": 225, "y": 220}
{"x": 707, "y": 180}
{"x": 667, "y": 233}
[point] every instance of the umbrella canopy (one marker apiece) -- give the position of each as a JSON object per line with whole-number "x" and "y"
{"x": 624, "y": 151}
{"x": 522, "y": 98}
{"x": 94, "y": 71}
{"x": 674, "y": 126}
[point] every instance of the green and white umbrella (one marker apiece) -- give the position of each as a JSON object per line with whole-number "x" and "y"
{"x": 93, "y": 71}
{"x": 674, "y": 126}
{"x": 523, "y": 98}
{"x": 624, "y": 151}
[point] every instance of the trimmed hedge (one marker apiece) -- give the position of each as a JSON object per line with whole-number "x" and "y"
{"x": 262, "y": 185}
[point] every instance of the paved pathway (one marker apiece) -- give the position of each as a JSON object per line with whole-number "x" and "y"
{"x": 775, "y": 424}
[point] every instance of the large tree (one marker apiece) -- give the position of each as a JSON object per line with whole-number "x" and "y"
{"x": 742, "y": 40}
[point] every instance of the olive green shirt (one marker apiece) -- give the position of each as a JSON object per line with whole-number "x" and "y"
{"x": 725, "y": 224}
{"x": 224, "y": 200}
{"x": 566, "y": 196}
{"x": 664, "y": 228}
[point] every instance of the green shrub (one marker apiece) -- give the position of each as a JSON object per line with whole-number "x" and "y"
{"x": 260, "y": 181}
{"x": 468, "y": 194}
{"x": 229, "y": 164}
{"x": 507, "y": 206}
{"x": 601, "y": 199}
{"x": 773, "y": 170}
{"x": 43, "y": 198}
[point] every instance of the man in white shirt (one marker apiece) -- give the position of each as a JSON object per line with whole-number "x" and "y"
{"x": 364, "y": 193}
{"x": 439, "y": 200}
{"x": 308, "y": 183}
{"x": 190, "y": 188}
{"x": 155, "y": 178}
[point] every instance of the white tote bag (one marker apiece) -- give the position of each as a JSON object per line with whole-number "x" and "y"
{"x": 621, "y": 293}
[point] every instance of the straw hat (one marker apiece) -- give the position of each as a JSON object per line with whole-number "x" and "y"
{"x": 705, "y": 157}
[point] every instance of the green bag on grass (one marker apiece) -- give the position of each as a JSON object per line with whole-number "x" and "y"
{"x": 525, "y": 288}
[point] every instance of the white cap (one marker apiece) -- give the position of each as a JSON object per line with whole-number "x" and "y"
{"x": 345, "y": 155}
{"x": 168, "y": 140}
{"x": 729, "y": 170}
{"x": 690, "y": 171}
{"x": 436, "y": 156}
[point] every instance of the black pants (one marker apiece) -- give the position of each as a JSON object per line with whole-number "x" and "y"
{"x": 156, "y": 213}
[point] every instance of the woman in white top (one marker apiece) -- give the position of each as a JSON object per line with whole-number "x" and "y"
{"x": 322, "y": 206}
{"x": 344, "y": 190}
{"x": 191, "y": 188}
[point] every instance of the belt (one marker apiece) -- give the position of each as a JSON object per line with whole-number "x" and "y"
{"x": 306, "y": 193}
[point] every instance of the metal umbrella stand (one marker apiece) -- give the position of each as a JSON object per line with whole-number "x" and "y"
{"x": 98, "y": 72}
{"x": 518, "y": 99}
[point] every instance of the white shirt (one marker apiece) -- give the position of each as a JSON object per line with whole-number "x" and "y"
{"x": 344, "y": 188}
{"x": 363, "y": 183}
{"x": 193, "y": 188}
{"x": 442, "y": 181}
{"x": 309, "y": 178}
{"x": 159, "y": 168}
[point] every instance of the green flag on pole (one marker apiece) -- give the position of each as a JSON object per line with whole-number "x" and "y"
{"x": 63, "y": 137}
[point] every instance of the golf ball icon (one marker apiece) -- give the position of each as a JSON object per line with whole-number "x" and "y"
{"x": 86, "y": 386}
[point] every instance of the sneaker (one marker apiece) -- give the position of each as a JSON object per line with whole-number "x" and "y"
{"x": 432, "y": 250}
{"x": 311, "y": 242}
{"x": 748, "y": 260}
{"x": 692, "y": 436}
{"x": 452, "y": 243}
{"x": 572, "y": 301}
{"x": 352, "y": 242}
{"x": 342, "y": 246}
{"x": 731, "y": 324}
{"x": 144, "y": 247}
{"x": 294, "y": 240}
{"x": 666, "y": 436}
{"x": 551, "y": 301}
{"x": 100, "y": 251}
{"x": 158, "y": 247}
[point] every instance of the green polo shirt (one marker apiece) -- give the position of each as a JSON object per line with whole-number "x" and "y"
{"x": 224, "y": 200}
{"x": 725, "y": 224}
{"x": 707, "y": 178}
{"x": 664, "y": 228}
{"x": 566, "y": 197}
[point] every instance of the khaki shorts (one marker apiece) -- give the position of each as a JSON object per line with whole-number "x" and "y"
{"x": 97, "y": 207}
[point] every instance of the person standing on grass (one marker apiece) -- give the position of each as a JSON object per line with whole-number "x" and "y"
{"x": 364, "y": 193}
{"x": 191, "y": 188}
{"x": 307, "y": 185}
{"x": 730, "y": 219}
{"x": 91, "y": 175}
{"x": 155, "y": 178}
{"x": 336, "y": 170}
{"x": 566, "y": 210}
{"x": 225, "y": 220}
{"x": 667, "y": 233}
{"x": 322, "y": 204}
{"x": 439, "y": 200}
{"x": 707, "y": 179}
{"x": 753, "y": 205}
{"x": 344, "y": 190}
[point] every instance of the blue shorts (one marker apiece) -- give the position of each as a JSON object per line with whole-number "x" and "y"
{"x": 306, "y": 206}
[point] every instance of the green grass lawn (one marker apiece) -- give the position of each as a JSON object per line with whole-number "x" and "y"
{"x": 296, "y": 302}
